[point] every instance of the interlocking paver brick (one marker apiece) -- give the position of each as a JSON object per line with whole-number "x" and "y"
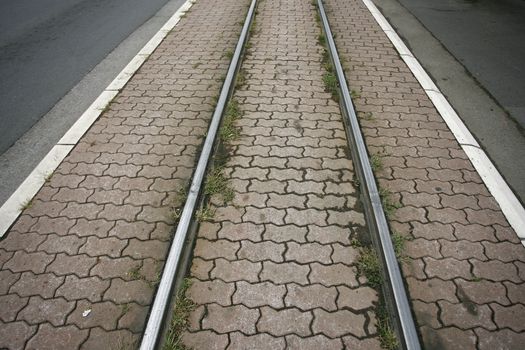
{"x": 28, "y": 284}
{"x": 361, "y": 344}
{"x": 10, "y": 305}
{"x": 239, "y": 341}
{"x": 205, "y": 340}
{"x": 311, "y": 297}
{"x": 54, "y": 338}
{"x": 75, "y": 288}
{"x": 230, "y": 318}
{"x": 208, "y": 292}
{"x": 285, "y": 233}
{"x": 503, "y": 339}
{"x": 100, "y": 339}
{"x": 509, "y": 316}
{"x": 239, "y": 270}
{"x": 308, "y": 252}
{"x": 13, "y": 335}
{"x": 466, "y": 315}
{"x": 356, "y": 299}
{"x": 338, "y": 323}
{"x": 134, "y": 318}
{"x": 122, "y": 291}
{"x": 104, "y": 314}
{"x": 283, "y": 322}
{"x": 259, "y": 294}
{"x": 40, "y": 310}
{"x": 216, "y": 249}
{"x": 333, "y": 275}
{"x": 34, "y": 262}
{"x": 448, "y": 338}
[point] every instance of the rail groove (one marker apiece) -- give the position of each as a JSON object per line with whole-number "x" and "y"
{"x": 164, "y": 291}
{"x": 394, "y": 290}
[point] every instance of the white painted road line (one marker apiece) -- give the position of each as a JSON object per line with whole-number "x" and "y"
{"x": 12, "y": 208}
{"x": 498, "y": 187}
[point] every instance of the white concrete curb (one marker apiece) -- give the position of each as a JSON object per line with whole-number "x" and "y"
{"x": 12, "y": 208}
{"x": 498, "y": 187}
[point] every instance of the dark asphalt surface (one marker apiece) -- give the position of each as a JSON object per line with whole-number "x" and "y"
{"x": 47, "y": 46}
{"x": 488, "y": 38}
{"x": 475, "y": 52}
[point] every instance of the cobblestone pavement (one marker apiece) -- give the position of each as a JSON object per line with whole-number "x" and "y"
{"x": 467, "y": 267}
{"x": 96, "y": 234}
{"x": 275, "y": 268}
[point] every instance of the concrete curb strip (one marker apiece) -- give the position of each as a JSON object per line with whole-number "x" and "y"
{"x": 498, "y": 187}
{"x": 10, "y": 210}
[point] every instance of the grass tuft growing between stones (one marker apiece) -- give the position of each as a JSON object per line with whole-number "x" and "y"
{"x": 241, "y": 78}
{"x": 229, "y": 131}
{"x": 387, "y": 337}
{"x": 398, "y": 241}
{"x": 368, "y": 265}
{"x": 389, "y": 205}
{"x": 26, "y": 205}
{"x": 204, "y": 214}
{"x": 229, "y": 54}
{"x": 179, "y": 319}
{"x": 217, "y": 184}
{"x": 331, "y": 85}
{"x": 134, "y": 273}
{"x": 376, "y": 162}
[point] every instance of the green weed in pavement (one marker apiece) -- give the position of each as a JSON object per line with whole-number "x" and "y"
{"x": 179, "y": 319}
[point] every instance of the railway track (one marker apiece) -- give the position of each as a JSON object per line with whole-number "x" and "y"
{"x": 177, "y": 262}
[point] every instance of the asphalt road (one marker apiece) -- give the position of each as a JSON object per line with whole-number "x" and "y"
{"x": 475, "y": 52}
{"x": 487, "y": 36}
{"x": 48, "y": 46}
{"x": 46, "y": 49}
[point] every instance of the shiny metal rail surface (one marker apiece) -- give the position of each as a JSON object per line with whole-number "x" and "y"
{"x": 394, "y": 290}
{"x": 158, "y": 310}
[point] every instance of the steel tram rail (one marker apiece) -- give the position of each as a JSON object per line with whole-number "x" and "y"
{"x": 394, "y": 290}
{"x": 164, "y": 291}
